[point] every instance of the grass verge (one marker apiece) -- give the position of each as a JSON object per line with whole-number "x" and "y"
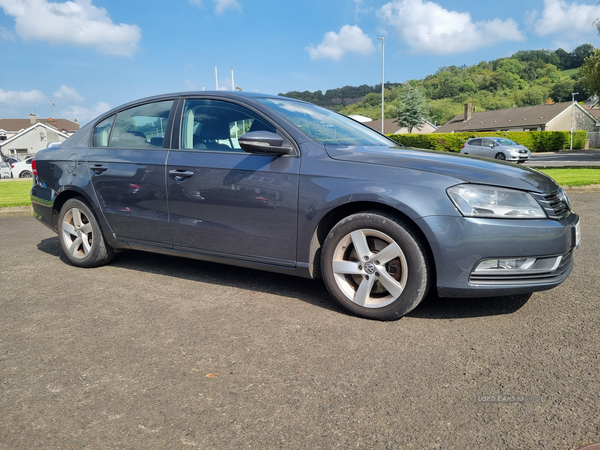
{"x": 16, "y": 193}
{"x": 574, "y": 176}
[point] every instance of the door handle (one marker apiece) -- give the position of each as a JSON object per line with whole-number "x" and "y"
{"x": 180, "y": 175}
{"x": 98, "y": 168}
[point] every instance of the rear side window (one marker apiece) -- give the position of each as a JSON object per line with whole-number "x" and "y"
{"x": 475, "y": 142}
{"x": 138, "y": 127}
{"x": 102, "y": 132}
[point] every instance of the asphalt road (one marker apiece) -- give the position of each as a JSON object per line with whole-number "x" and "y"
{"x": 154, "y": 352}
{"x": 565, "y": 159}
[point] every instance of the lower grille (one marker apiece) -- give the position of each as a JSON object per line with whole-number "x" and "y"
{"x": 563, "y": 269}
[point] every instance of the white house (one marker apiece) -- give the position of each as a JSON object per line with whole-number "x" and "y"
{"x": 30, "y": 140}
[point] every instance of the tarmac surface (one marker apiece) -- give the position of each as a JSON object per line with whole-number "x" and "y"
{"x": 156, "y": 352}
{"x": 587, "y": 158}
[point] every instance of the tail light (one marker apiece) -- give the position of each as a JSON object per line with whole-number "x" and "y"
{"x": 463, "y": 146}
{"x": 12, "y": 165}
{"x": 33, "y": 167}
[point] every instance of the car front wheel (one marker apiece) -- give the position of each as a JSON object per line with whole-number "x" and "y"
{"x": 80, "y": 236}
{"x": 375, "y": 266}
{"x": 500, "y": 156}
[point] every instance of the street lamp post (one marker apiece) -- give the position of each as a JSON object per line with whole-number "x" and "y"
{"x": 573, "y": 94}
{"x": 382, "y": 80}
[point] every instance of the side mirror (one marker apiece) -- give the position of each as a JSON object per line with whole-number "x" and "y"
{"x": 264, "y": 142}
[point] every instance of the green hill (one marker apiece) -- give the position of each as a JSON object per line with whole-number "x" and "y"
{"x": 527, "y": 78}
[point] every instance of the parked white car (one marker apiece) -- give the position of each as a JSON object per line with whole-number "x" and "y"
{"x": 4, "y": 169}
{"x": 22, "y": 169}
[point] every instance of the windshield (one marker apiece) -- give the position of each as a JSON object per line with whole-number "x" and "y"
{"x": 503, "y": 141}
{"x": 326, "y": 126}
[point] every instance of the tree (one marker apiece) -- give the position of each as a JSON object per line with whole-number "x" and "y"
{"x": 562, "y": 90}
{"x": 579, "y": 54}
{"x": 566, "y": 61}
{"x": 589, "y": 73}
{"x": 412, "y": 108}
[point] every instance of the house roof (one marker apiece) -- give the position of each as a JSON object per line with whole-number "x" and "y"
{"x": 593, "y": 111}
{"x": 527, "y": 116}
{"x": 16, "y": 125}
{"x": 390, "y": 126}
{"x": 27, "y": 130}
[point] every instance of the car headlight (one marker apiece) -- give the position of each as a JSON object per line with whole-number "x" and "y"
{"x": 488, "y": 201}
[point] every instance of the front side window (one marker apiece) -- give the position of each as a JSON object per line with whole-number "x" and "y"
{"x": 141, "y": 126}
{"x": 503, "y": 141}
{"x": 215, "y": 125}
{"x": 326, "y": 126}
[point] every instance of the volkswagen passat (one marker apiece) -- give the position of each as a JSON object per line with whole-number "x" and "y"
{"x": 282, "y": 185}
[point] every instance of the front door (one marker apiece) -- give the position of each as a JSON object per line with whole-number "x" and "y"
{"x": 226, "y": 202}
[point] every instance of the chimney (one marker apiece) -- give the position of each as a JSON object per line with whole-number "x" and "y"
{"x": 32, "y": 118}
{"x": 468, "y": 111}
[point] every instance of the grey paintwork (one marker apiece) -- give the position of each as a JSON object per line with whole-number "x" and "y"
{"x": 307, "y": 191}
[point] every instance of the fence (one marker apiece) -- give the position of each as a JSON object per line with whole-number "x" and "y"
{"x": 594, "y": 139}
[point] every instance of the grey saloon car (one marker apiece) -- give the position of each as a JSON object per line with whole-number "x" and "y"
{"x": 273, "y": 183}
{"x": 497, "y": 148}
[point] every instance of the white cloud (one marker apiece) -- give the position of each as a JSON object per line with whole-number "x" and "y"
{"x": 569, "y": 19}
{"x": 350, "y": 39}
{"x": 67, "y": 95}
{"x": 20, "y": 98}
{"x": 75, "y": 22}
{"x": 429, "y": 28}
{"x": 220, "y": 5}
{"x": 84, "y": 115}
{"x": 223, "y": 5}
{"x": 360, "y": 10}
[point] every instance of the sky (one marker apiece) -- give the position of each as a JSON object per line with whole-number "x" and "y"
{"x": 77, "y": 59}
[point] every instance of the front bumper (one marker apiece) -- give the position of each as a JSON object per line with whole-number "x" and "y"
{"x": 460, "y": 244}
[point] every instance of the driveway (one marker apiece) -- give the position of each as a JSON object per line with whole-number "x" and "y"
{"x": 156, "y": 352}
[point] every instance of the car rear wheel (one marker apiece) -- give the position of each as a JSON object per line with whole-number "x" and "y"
{"x": 375, "y": 266}
{"x": 500, "y": 156}
{"x": 25, "y": 174}
{"x": 80, "y": 236}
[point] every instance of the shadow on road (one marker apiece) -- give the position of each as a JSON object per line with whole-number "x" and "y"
{"x": 309, "y": 291}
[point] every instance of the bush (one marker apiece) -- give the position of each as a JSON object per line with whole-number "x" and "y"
{"x": 536, "y": 141}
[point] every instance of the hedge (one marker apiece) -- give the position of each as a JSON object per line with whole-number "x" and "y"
{"x": 536, "y": 141}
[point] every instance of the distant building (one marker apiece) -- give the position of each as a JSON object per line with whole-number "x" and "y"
{"x": 361, "y": 119}
{"x": 391, "y": 126}
{"x": 552, "y": 117}
{"x": 22, "y": 137}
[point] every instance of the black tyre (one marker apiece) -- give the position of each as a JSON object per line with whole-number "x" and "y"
{"x": 374, "y": 265}
{"x": 80, "y": 236}
{"x": 500, "y": 156}
{"x": 25, "y": 174}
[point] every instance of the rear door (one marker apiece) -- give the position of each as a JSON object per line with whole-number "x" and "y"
{"x": 488, "y": 148}
{"x": 475, "y": 147}
{"x": 224, "y": 201}
{"x": 127, "y": 163}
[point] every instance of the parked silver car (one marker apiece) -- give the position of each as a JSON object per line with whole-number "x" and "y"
{"x": 497, "y": 148}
